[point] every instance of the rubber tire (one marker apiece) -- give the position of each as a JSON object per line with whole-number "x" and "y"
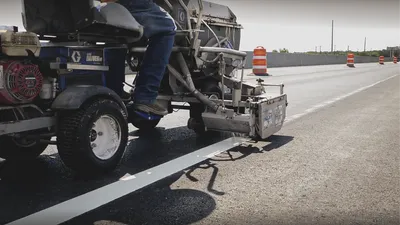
{"x": 73, "y": 137}
{"x": 198, "y": 127}
{"x": 12, "y": 152}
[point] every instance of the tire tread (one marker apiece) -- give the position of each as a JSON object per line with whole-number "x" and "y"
{"x": 68, "y": 142}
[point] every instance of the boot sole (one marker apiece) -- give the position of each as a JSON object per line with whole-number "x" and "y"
{"x": 148, "y": 109}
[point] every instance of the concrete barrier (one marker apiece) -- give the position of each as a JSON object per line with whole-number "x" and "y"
{"x": 301, "y": 59}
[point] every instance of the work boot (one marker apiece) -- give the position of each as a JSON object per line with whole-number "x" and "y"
{"x": 153, "y": 108}
{"x": 125, "y": 96}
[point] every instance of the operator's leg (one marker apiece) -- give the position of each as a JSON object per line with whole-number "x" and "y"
{"x": 160, "y": 29}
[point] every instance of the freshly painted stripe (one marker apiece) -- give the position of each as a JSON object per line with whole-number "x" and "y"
{"x": 77, "y": 206}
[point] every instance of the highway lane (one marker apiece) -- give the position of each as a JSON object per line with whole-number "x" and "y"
{"x": 29, "y": 188}
{"x": 314, "y": 85}
{"x": 339, "y": 165}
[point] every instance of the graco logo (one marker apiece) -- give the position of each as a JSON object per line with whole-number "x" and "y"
{"x": 76, "y": 56}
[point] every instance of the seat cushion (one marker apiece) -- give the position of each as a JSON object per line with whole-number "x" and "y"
{"x": 118, "y": 21}
{"x": 63, "y": 18}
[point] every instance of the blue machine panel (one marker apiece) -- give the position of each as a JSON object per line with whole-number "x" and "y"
{"x": 80, "y": 56}
{"x": 87, "y": 56}
{"x": 52, "y": 53}
{"x": 113, "y": 57}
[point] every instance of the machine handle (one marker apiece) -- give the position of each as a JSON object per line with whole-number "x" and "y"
{"x": 275, "y": 85}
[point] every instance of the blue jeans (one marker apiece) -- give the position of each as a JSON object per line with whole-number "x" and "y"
{"x": 159, "y": 29}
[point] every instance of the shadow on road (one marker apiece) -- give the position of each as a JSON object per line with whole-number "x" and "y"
{"x": 159, "y": 204}
{"x": 33, "y": 186}
{"x": 155, "y": 204}
{"x": 236, "y": 154}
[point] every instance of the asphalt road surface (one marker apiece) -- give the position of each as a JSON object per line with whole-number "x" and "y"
{"x": 336, "y": 161}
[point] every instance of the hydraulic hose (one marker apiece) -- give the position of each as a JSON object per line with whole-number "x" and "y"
{"x": 199, "y": 96}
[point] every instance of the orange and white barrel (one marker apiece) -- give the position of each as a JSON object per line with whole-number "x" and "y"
{"x": 350, "y": 60}
{"x": 260, "y": 61}
{"x": 381, "y": 60}
{"x": 395, "y": 60}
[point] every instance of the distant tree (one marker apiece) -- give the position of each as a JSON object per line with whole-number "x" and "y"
{"x": 284, "y": 50}
{"x": 274, "y": 51}
{"x": 363, "y": 54}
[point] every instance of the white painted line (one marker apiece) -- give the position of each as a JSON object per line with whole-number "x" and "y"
{"x": 298, "y": 115}
{"x": 329, "y": 102}
{"x": 289, "y": 119}
{"x": 77, "y": 206}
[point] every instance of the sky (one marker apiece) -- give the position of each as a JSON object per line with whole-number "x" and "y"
{"x": 297, "y": 25}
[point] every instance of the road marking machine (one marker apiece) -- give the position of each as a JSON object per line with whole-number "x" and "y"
{"x": 60, "y": 78}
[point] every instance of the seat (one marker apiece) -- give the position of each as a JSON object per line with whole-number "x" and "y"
{"x": 70, "y": 20}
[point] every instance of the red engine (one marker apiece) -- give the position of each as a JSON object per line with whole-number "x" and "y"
{"x": 20, "y": 82}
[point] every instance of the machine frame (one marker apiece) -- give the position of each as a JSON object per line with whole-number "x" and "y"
{"x": 246, "y": 109}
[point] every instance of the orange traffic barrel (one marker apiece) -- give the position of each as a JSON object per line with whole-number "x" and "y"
{"x": 395, "y": 60}
{"x": 381, "y": 60}
{"x": 260, "y": 61}
{"x": 350, "y": 60}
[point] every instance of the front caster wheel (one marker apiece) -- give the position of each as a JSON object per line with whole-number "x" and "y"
{"x": 197, "y": 126}
{"x": 20, "y": 149}
{"x": 92, "y": 140}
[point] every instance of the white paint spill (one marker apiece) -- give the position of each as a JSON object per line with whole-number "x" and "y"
{"x": 128, "y": 178}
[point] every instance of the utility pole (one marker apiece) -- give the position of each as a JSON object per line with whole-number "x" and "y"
{"x": 365, "y": 44}
{"x": 320, "y": 49}
{"x": 332, "y": 38}
{"x": 348, "y": 48}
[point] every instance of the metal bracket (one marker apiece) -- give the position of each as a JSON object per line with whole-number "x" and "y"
{"x": 72, "y": 66}
{"x": 26, "y": 125}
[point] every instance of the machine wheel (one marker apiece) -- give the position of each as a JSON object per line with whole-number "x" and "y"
{"x": 92, "y": 140}
{"x": 20, "y": 149}
{"x": 197, "y": 126}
